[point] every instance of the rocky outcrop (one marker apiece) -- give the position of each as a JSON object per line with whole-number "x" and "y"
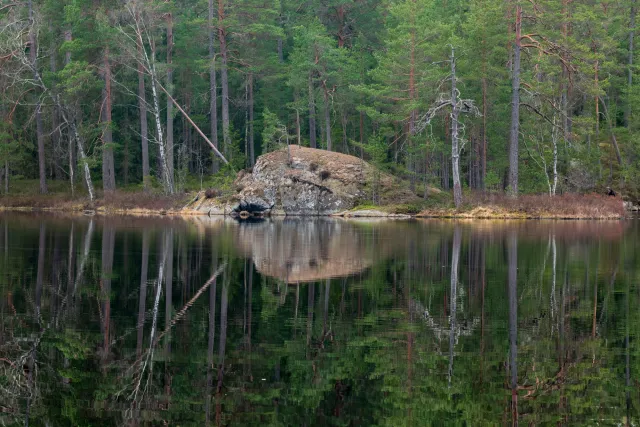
{"x": 307, "y": 181}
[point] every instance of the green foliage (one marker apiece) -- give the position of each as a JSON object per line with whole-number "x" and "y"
{"x": 369, "y": 69}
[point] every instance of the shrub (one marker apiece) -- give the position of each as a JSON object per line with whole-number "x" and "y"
{"x": 211, "y": 193}
{"x": 325, "y": 174}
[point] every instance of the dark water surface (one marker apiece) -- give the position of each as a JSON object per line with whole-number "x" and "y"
{"x": 149, "y": 321}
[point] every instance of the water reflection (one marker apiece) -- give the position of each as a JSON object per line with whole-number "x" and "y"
{"x": 128, "y": 321}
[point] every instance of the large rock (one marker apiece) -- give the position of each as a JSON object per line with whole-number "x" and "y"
{"x": 307, "y": 181}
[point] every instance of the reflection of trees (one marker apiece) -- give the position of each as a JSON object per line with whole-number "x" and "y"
{"x": 374, "y": 348}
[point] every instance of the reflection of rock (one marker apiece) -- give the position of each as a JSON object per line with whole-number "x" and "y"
{"x": 312, "y": 182}
{"x": 297, "y": 250}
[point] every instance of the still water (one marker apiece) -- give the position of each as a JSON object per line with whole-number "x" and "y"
{"x": 201, "y": 321}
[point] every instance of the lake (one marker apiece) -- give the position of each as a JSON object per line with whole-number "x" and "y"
{"x": 300, "y": 322}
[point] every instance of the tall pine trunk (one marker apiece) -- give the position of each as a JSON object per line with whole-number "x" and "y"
{"x": 213, "y": 87}
{"x": 224, "y": 76}
{"x": 312, "y": 114}
{"x": 252, "y": 150}
{"x": 327, "y": 117}
{"x": 33, "y": 56}
{"x": 108, "y": 169}
{"x": 632, "y": 29}
{"x": 170, "y": 163}
{"x": 68, "y": 37}
{"x": 515, "y": 107}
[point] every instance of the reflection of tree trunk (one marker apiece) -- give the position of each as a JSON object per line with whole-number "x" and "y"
{"x": 85, "y": 255}
{"x": 40, "y": 273}
{"x": 512, "y": 255}
{"x": 455, "y": 260}
{"x": 250, "y": 319}
{"x": 482, "y": 322}
{"x": 168, "y": 281}
{"x": 222, "y": 347}
{"x": 627, "y": 372}
{"x": 325, "y": 312}
{"x": 210, "y": 345}
{"x": 310, "y": 303}
{"x": 143, "y": 290}
{"x": 108, "y": 246}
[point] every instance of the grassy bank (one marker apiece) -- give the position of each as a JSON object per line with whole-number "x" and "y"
{"x": 59, "y": 198}
{"x": 566, "y": 206}
{"x": 500, "y": 206}
{"x": 437, "y": 205}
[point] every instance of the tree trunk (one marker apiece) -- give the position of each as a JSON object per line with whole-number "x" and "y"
{"x": 170, "y": 162}
{"x": 6, "y": 176}
{"x": 108, "y": 169}
{"x": 312, "y": 114}
{"x": 327, "y": 117}
{"x": 252, "y": 150}
{"x": 632, "y": 29}
{"x": 514, "y": 131}
{"x": 213, "y": 87}
{"x": 33, "y": 54}
{"x": 166, "y": 177}
{"x": 56, "y": 134}
{"x": 144, "y": 127}
{"x": 483, "y": 149}
{"x": 455, "y": 143}
{"x": 222, "y": 37}
{"x": 68, "y": 37}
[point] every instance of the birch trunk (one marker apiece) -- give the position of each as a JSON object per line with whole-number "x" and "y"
{"x": 144, "y": 126}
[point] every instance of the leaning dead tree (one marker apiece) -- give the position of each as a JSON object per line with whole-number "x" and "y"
{"x": 458, "y": 106}
{"x": 139, "y": 43}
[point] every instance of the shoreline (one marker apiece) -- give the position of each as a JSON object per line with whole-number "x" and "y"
{"x": 486, "y": 214}
{"x": 478, "y": 206}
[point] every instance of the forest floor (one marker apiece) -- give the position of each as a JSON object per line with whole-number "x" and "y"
{"x": 476, "y": 205}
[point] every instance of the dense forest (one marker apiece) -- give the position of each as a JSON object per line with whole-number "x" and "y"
{"x": 517, "y": 96}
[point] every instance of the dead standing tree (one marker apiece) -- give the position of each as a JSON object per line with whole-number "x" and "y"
{"x": 458, "y": 106}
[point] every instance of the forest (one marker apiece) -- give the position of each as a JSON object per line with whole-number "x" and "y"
{"x": 172, "y": 96}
